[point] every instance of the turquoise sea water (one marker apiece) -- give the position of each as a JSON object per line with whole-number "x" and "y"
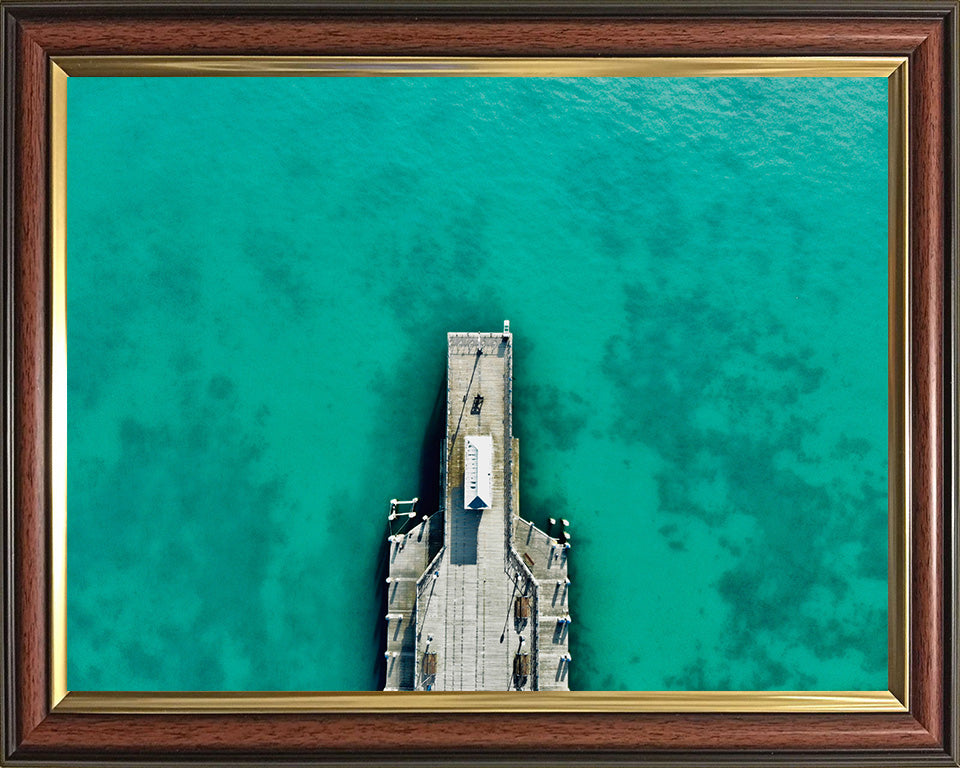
{"x": 261, "y": 276}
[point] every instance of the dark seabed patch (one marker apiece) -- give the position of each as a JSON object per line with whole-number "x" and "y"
{"x": 563, "y": 414}
{"x": 802, "y": 510}
{"x": 185, "y": 535}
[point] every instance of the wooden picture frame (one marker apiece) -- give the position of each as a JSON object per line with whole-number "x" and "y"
{"x": 41, "y": 729}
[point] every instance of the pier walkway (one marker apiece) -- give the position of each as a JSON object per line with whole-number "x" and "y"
{"x": 481, "y": 613}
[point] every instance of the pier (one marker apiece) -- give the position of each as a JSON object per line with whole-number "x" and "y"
{"x": 477, "y": 597}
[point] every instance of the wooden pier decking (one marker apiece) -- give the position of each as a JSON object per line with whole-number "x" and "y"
{"x": 453, "y": 618}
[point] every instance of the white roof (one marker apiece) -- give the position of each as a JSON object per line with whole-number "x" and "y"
{"x": 478, "y": 472}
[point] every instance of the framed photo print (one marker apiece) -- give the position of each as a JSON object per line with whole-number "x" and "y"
{"x": 288, "y": 287}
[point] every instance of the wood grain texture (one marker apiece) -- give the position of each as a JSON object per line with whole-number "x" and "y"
{"x": 927, "y": 170}
{"x": 30, "y": 383}
{"x": 917, "y": 738}
{"x": 521, "y": 735}
{"x": 424, "y": 37}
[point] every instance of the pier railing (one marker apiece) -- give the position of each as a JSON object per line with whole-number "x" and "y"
{"x": 522, "y": 577}
{"x": 419, "y": 614}
{"x": 513, "y": 563}
{"x": 512, "y": 560}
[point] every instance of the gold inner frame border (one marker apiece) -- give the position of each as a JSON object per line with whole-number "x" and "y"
{"x": 895, "y": 699}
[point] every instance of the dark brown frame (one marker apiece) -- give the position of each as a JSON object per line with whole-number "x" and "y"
{"x": 925, "y": 32}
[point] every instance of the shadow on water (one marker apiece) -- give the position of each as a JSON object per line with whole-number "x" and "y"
{"x": 430, "y": 453}
{"x": 429, "y": 495}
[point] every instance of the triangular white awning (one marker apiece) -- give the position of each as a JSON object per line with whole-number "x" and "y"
{"x": 478, "y": 472}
